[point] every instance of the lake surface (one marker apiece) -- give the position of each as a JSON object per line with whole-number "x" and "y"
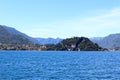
{"x": 53, "y": 65}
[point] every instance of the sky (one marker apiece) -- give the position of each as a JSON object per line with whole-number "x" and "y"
{"x": 62, "y": 18}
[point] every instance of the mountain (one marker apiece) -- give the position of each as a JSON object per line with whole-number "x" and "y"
{"x": 33, "y": 40}
{"x": 110, "y": 41}
{"x": 8, "y": 38}
{"x": 74, "y": 44}
{"x": 16, "y": 32}
{"x": 48, "y": 40}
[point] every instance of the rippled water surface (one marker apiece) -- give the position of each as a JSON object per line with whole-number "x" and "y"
{"x": 53, "y": 65}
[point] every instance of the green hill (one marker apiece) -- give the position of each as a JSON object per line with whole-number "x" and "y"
{"x": 74, "y": 44}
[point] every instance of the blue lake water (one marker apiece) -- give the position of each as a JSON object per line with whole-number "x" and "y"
{"x": 53, "y": 65}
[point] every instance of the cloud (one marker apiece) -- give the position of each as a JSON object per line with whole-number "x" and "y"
{"x": 104, "y": 23}
{"x": 108, "y": 20}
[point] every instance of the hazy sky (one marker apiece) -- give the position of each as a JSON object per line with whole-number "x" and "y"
{"x": 62, "y": 18}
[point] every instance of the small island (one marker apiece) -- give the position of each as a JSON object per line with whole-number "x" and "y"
{"x": 75, "y": 44}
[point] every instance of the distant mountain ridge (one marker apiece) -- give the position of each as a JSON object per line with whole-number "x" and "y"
{"x": 48, "y": 40}
{"x": 95, "y": 39}
{"x": 110, "y": 41}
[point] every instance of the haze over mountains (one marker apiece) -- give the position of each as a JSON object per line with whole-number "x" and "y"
{"x": 48, "y": 40}
{"x": 110, "y": 41}
{"x": 11, "y": 35}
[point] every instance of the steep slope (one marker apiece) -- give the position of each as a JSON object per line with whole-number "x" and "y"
{"x": 16, "y": 32}
{"x": 9, "y": 38}
{"x": 74, "y": 44}
{"x": 110, "y": 41}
